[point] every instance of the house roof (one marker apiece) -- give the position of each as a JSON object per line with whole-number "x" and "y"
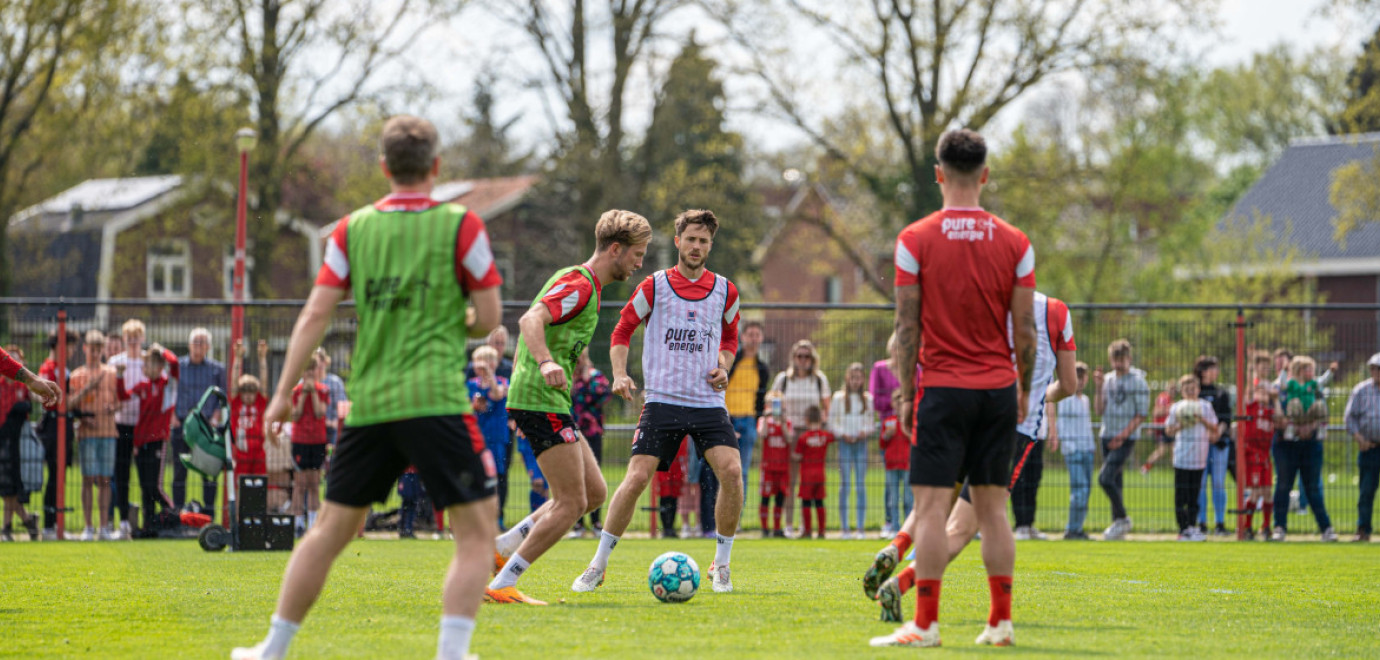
{"x": 1295, "y": 194}
{"x": 486, "y": 197}
{"x": 103, "y": 195}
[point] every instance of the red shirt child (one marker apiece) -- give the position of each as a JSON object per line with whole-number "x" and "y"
{"x": 813, "y": 448}
{"x": 156, "y": 397}
{"x": 776, "y": 455}
{"x": 670, "y": 482}
{"x": 310, "y": 429}
{"x": 895, "y": 445}
{"x": 247, "y": 415}
{"x": 1256, "y": 435}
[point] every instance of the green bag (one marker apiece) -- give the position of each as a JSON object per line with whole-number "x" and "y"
{"x": 209, "y": 443}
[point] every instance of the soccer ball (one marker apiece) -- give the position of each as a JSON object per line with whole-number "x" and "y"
{"x": 674, "y": 577}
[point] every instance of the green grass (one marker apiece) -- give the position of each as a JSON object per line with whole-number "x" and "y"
{"x": 793, "y": 599}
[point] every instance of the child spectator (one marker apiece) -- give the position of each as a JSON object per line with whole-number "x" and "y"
{"x": 812, "y": 446}
{"x": 1219, "y": 455}
{"x": 410, "y": 490}
{"x": 1071, "y": 430}
{"x": 336, "y": 387}
{"x": 1123, "y": 401}
{"x": 1194, "y": 426}
{"x": 1163, "y": 402}
{"x": 775, "y": 432}
{"x": 247, "y": 406}
{"x": 309, "y": 399}
{"x": 896, "y": 459}
{"x": 1256, "y": 434}
{"x": 132, "y": 334}
{"x": 155, "y": 396}
{"x": 489, "y": 397}
{"x": 852, "y": 421}
{"x": 669, "y": 485}
{"x": 1303, "y": 400}
{"x": 94, "y": 402}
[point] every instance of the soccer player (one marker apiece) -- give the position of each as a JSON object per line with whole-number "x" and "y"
{"x": 1055, "y": 378}
{"x": 412, "y": 263}
{"x": 687, "y": 353}
{"x": 960, "y": 273}
{"x": 555, "y": 330}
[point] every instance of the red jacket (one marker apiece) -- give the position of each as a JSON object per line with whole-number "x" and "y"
{"x": 776, "y": 446}
{"x": 895, "y": 445}
{"x": 310, "y": 428}
{"x": 813, "y": 447}
{"x": 157, "y": 401}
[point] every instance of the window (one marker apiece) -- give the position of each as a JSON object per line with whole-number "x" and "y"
{"x": 170, "y": 270}
{"x": 228, "y": 272}
{"x": 833, "y": 290}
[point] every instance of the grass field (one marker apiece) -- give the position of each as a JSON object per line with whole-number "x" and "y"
{"x": 794, "y": 599}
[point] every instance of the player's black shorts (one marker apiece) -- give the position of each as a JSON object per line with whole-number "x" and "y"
{"x": 1024, "y": 444}
{"x": 663, "y": 425}
{"x": 964, "y": 435}
{"x": 447, "y": 450}
{"x": 308, "y": 456}
{"x": 544, "y": 430}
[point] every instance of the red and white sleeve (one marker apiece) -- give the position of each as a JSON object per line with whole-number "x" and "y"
{"x": 636, "y": 311}
{"x": 1025, "y": 267}
{"x": 335, "y": 267}
{"x": 907, "y": 258}
{"x": 1061, "y": 326}
{"x": 568, "y": 297}
{"x": 474, "y": 259}
{"x": 729, "y": 341}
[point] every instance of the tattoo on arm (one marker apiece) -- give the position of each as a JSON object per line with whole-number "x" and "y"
{"x": 908, "y": 330}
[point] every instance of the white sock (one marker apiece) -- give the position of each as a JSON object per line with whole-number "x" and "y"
{"x": 507, "y": 543}
{"x": 455, "y": 637}
{"x": 280, "y": 633}
{"x": 601, "y": 556}
{"x": 512, "y": 570}
{"x": 722, "y": 549}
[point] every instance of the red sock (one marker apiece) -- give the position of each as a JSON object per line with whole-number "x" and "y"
{"x": 819, "y": 511}
{"x": 906, "y": 578}
{"x": 441, "y": 520}
{"x": 762, "y": 515}
{"x": 805, "y": 518}
{"x": 926, "y": 603}
{"x": 1250, "y": 519}
{"x": 1269, "y": 508}
{"x": 776, "y": 517}
{"x": 1000, "y": 586}
{"x": 902, "y": 543}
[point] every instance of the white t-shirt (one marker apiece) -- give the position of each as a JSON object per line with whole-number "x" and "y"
{"x": 127, "y": 413}
{"x": 861, "y": 422}
{"x": 1191, "y": 443}
{"x": 798, "y": 394}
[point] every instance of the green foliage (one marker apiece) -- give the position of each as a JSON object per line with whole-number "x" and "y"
{"x": 1362, "y": 112}
{"x": 1355, "y": 196}
{"x": 487, "y": 150}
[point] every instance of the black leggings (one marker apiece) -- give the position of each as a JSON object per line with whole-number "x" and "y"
{"x": 1187, "y": 484}
{"x": 148, "y": 461}
{"x": 1028, "y": 486}
{"x": 124, "y": 459}
{"x": 780, "y": 500}
{"x": 50, "y": 446}
{"x": 806, "y": 504}
{"x": 667, "y": 510}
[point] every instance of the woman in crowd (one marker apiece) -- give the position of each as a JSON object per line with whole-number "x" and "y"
{"x": 800, "y": 386}
{"x": 852, "y": 420}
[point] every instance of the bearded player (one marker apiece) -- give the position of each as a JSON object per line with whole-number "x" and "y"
{"x": 687, "y": 352}
{"x": 1055, "y": 378}
{"x": 555, "y": 330}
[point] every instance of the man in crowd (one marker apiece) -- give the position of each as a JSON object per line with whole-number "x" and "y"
{"x": 1363, "y": 424}
{"x": 199, "y": 374}
{"x": 746, "y": 395}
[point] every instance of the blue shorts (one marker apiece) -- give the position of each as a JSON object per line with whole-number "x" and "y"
{"x": 97, "y": 457}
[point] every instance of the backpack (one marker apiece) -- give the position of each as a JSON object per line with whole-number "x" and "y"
{"x": 31, "y": 456}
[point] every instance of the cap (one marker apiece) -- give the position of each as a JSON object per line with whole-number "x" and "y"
{"x": 1374, "y": 360}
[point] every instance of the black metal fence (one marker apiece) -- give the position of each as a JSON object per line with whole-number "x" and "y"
{"x": 1166, "y": 339}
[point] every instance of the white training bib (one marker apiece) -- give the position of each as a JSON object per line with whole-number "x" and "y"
{"x": 1044, "y": 369}
{"x": 681, "y": 345}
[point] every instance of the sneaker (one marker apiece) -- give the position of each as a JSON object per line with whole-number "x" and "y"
{"x": 1329, "y": 535}
{"x": 6, "y": 535}
{"x": 1079, "y": 535}
{"x": 1362, "y": 537}
{"x": 882, "y": 566}
{"x": 499, "y": 562}
{"x": 87, "y": 534}
{"x": 31, "y": 525}
{"x": 766, "y": 533}
{"x": 685, "y": 531}
{"x": 407, "y": 535}
{"x": 889, "y": 597}
{"x": 910, "y": 634}
{"x": 887, "y": 534}
{"x": 1022, "y": 533}
{"x": 107, "y": 534}
{"x": 1278, "y": 534}
{"x": 1001, "y": 634}
{"x": 1250, "y": 534}
{"x": 255, "y": 653}
{"x": 1037, "y": 535}
{"x": 588, "y": 580}
{"x": 1184, "y": 536}
{"x": 1118, "y": 530}
{"x": 1220, "y": 530}
{"x": 509, "y": 595}
{"x": 125, "y": 531}
{"x": 778, "y": 534}
{"x": 1196, "y": 534}
{"x": 669, "y": 533}
{"x": 719, "y": 575}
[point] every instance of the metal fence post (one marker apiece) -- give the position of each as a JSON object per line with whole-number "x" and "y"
{"x": 1239, "y": 414}
{"x": 60, "y": 359}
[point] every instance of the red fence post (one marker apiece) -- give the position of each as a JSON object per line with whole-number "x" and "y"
{"x": 61, "y": 373}
{"x": 1236, "y": 428}
{"x": 656, "y": 501}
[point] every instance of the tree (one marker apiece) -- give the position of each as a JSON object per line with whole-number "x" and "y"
{"x": 930, "y": 66}
{"x": 486, "y": 150}
{"x": 569, "y": 44}
{"x": 300, "y": 62}
{"x": 688, "y": 161}
{"x": 1362, "y": 112}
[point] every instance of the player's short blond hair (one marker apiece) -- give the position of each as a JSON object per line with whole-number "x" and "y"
{"x": 487, "y": 354}
{"x": 622, "y": 227}
{"x": 133, "y": 327}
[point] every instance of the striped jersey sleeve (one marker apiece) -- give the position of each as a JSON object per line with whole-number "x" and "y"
{"x": 568, "y": 296}
{"x": 729, "y": 332}
{"x": 1060, "y": 322}
{"x": 635, "y": 312}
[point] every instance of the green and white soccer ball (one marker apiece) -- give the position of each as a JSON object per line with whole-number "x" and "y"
{"x": 674, "y": 577}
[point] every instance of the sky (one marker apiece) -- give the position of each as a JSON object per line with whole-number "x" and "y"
{"x": 479, "y": 41}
